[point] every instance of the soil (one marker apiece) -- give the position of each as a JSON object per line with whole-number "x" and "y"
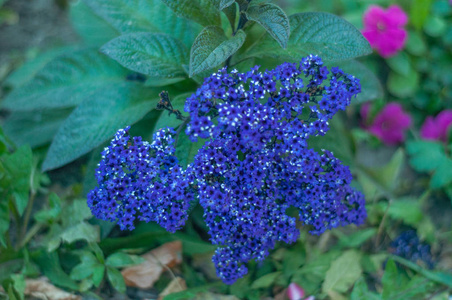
{"x": 41, "y": 24}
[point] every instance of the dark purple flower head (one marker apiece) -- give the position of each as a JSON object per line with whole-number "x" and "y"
{"x": 141, "y": 180}
{"x": 255, "y": 164}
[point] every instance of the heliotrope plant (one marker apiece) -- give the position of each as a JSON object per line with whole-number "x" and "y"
{"x": 255, "y": 164}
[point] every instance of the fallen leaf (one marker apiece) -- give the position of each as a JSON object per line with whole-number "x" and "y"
{"x": 42, "y": 289}
{"x": 281, "y": 295}
{"x": 176, "y": 285}
{"x": 145, "y": 274}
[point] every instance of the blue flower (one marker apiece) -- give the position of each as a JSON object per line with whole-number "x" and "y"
{"x": 255, "y": 164}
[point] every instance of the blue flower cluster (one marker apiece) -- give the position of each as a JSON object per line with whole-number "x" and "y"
{"x": 141, "y": 180}
{"x": 254, "y": 166}
{"x": 408, "y": 246}
{"x": 256, "y": 163}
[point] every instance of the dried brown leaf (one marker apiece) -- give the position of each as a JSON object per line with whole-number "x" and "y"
{"x": 148, "y": 272}
{"x": 176, "y": 285}
{"x": 42, "y": 289}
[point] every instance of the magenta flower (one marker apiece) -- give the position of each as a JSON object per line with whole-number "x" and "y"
{"x": 437, "y": 128}
{"x": 384, "y": 29}
{"x": 390, "y": 124}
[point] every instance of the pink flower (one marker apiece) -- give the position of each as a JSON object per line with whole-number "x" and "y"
{"x": 296, "y": 292}
{"x": 389, "y": 124}
{"x": 384, "y": 29}
{"x": 437, "y": 128}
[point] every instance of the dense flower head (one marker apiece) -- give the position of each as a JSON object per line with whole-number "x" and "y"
{"x": 254, "y": 166}
{"x": 257, "y": 164}
{"x": 390, "y": 124}
{"x": 141, "y": 180}
{"x": 384, "y": 29}
{"x": 408, "y": 246}
{"x": 438, "y": 128}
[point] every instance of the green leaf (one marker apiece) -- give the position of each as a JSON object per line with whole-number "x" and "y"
{"x": 116, "y": 279}
{"x": 52, "y": 213}
{"x": 392, "y": 280}
{"x": 75, "y": 212}
{"x": 222, "y": 4}
{"x": 4, "y": 221}
{"x": 313, "y": 273}
{"x": 407, "y": 210}
{"x": 415, "y": 43}
{"x": 265, "y": 281}
{"x": 121, "y": 259}
{"x": 144, "y": 16}
{"x": 343, "y": 273}
{"x": 319, "y": 33}
{"x": 29, "y": 69}
{"x": 403, "y": 86}
{"x": 153, "y": 54}
{"x": 81, "y": 231}
{"x": 273, "y": 19}
{"x": 98, "y": 274}
{"x": 159, "y": 81}
{"x": 90, "y": 27}
{"x": 34, "y": 128}
{"x": 356, "y": 239}
{"x": 360, "y": 291}
{"x": 386, "y": 177}
{"x": 18, "y": 167}
{"x": 293, "y": 259}
{"x": 440, "y": 277}
{"x": 200, "y": 11}
{"x": 49, "y": 264}
{"x": 443, "y": 175}
{"x": 400, "y": 63}
{"x": 66, "y": 81}
{"x": 425, "y": 155}
{"x": 211, "y": 48}
{"x": 419, "y": 12}
{"x": 97, "y": 119}
{"x": 231, "y": 13}
{"x": 82, "y": 271}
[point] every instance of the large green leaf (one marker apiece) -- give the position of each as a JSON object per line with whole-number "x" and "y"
{"x": 97, "y": 119}
{"x": 34, "y": 128}
{"x": 273, "y": 19}
{"x": 35, "y": 63}
{"x": 343, "y": 273}
{"x": 222, "y": 4}
{"x": 66, "y": 81}
{"x": 211, "y": 48}
{"x": 200, "y": 11}
{"x": 90, "y": 27}
{"x": 319, "y": 33}
{"x": 144, "y": 16}
{"x": 153, "y": 54}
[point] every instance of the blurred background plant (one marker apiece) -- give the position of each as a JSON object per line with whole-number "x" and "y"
{"x": 61, "y": 106}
